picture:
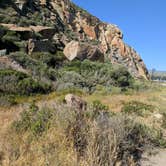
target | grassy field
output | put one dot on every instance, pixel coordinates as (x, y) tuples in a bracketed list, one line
[(52, 146)]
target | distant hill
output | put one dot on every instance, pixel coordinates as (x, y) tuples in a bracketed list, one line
[(157, 75)]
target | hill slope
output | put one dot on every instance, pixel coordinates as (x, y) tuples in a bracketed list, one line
[(60, 22)]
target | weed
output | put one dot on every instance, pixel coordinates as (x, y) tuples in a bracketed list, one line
[(34, 120)]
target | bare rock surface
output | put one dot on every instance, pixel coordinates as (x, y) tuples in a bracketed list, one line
[(82, 51), (75, 102)]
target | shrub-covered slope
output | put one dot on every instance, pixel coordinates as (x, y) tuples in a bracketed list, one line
[(69, 22)]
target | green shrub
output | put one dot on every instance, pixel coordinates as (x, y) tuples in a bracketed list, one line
[(11, 36), (37, 68), (26, 17), (121, 77), (29, 86), (7, 100), (71, 79), (3, 30), (51, 60), (4, 3), (138, 108), (70, 34), (140, 85), (14, 82), (98, 106), (33, 120), (87, 75), (97, 109)]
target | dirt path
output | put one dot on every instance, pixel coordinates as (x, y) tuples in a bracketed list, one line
[(158, 159)]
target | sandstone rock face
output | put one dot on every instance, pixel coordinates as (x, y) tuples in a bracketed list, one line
[(109, 36), (111, 42), (28, 32), (82, 51), (75, 102), (85, 28)]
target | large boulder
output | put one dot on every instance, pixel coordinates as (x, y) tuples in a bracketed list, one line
[(81, 51), (75, 102)]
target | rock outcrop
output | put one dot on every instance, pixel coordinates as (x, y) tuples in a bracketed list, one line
[(28, 32), (75, 102), (81, 51), (109, 36), (69, 22)]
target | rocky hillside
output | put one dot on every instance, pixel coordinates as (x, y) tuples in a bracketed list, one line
[(51, 25)]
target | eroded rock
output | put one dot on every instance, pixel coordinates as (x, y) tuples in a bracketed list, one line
[(82, 51)]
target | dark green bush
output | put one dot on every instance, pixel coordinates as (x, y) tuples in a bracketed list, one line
[(11, 36), (4, 3), (37, 68), (14, 82), (3, 30), (29, 86), (51, 60), (9, 13), (121, 77), (87, 75)]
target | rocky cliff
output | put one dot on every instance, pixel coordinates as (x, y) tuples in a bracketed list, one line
[(73, 24), (108, 36)]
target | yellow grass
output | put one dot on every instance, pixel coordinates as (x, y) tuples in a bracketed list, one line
[(37, 152)]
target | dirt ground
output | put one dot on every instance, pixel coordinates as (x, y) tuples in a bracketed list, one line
[(158, 159)]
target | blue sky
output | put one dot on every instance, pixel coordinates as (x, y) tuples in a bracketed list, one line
[(143, 23)]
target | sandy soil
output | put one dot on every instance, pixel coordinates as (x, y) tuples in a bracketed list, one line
[(158, 159)]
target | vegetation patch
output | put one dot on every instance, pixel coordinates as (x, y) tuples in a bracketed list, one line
[(14, 82), (34, 120), (138, 108), (52, 60), (87, 75), (96, 137), (7, 100), (37, 69)]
